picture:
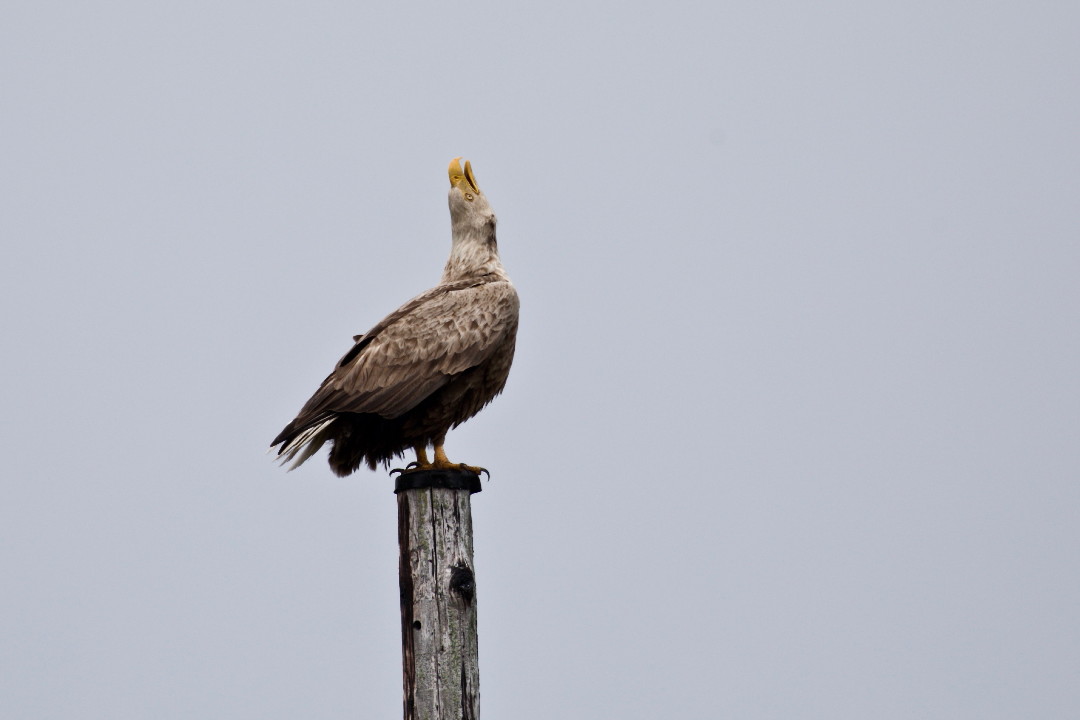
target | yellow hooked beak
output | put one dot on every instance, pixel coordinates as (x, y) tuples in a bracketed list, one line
[(463, 179)]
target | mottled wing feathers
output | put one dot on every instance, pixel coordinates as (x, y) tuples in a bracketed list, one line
[(417, 349)]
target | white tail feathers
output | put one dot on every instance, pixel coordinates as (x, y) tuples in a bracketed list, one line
[(313, 438)]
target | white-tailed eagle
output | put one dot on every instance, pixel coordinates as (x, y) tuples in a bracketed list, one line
[(427, 367)]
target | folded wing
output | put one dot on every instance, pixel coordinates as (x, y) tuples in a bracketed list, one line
[(415, 351)]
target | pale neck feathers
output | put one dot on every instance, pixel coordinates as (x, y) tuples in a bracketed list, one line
[(474, 252)]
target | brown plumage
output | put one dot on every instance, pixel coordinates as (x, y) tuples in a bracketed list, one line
[(427, 367)]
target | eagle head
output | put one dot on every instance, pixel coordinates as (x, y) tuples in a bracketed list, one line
[(469, 207)]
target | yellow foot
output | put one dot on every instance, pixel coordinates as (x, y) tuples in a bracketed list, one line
[(441, 462), (475, 470)]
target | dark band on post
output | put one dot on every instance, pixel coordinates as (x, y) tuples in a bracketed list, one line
[(448, 479)]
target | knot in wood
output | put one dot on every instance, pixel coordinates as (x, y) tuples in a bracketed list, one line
[(463, 582)]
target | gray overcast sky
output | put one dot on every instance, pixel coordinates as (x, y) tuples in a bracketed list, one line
[(793, 427)]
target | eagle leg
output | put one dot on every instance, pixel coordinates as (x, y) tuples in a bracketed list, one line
[(420, 463)]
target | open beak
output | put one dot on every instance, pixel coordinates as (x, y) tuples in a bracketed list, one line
[(464, 177)]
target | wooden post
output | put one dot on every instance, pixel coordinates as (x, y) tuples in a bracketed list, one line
[(440, 668)]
